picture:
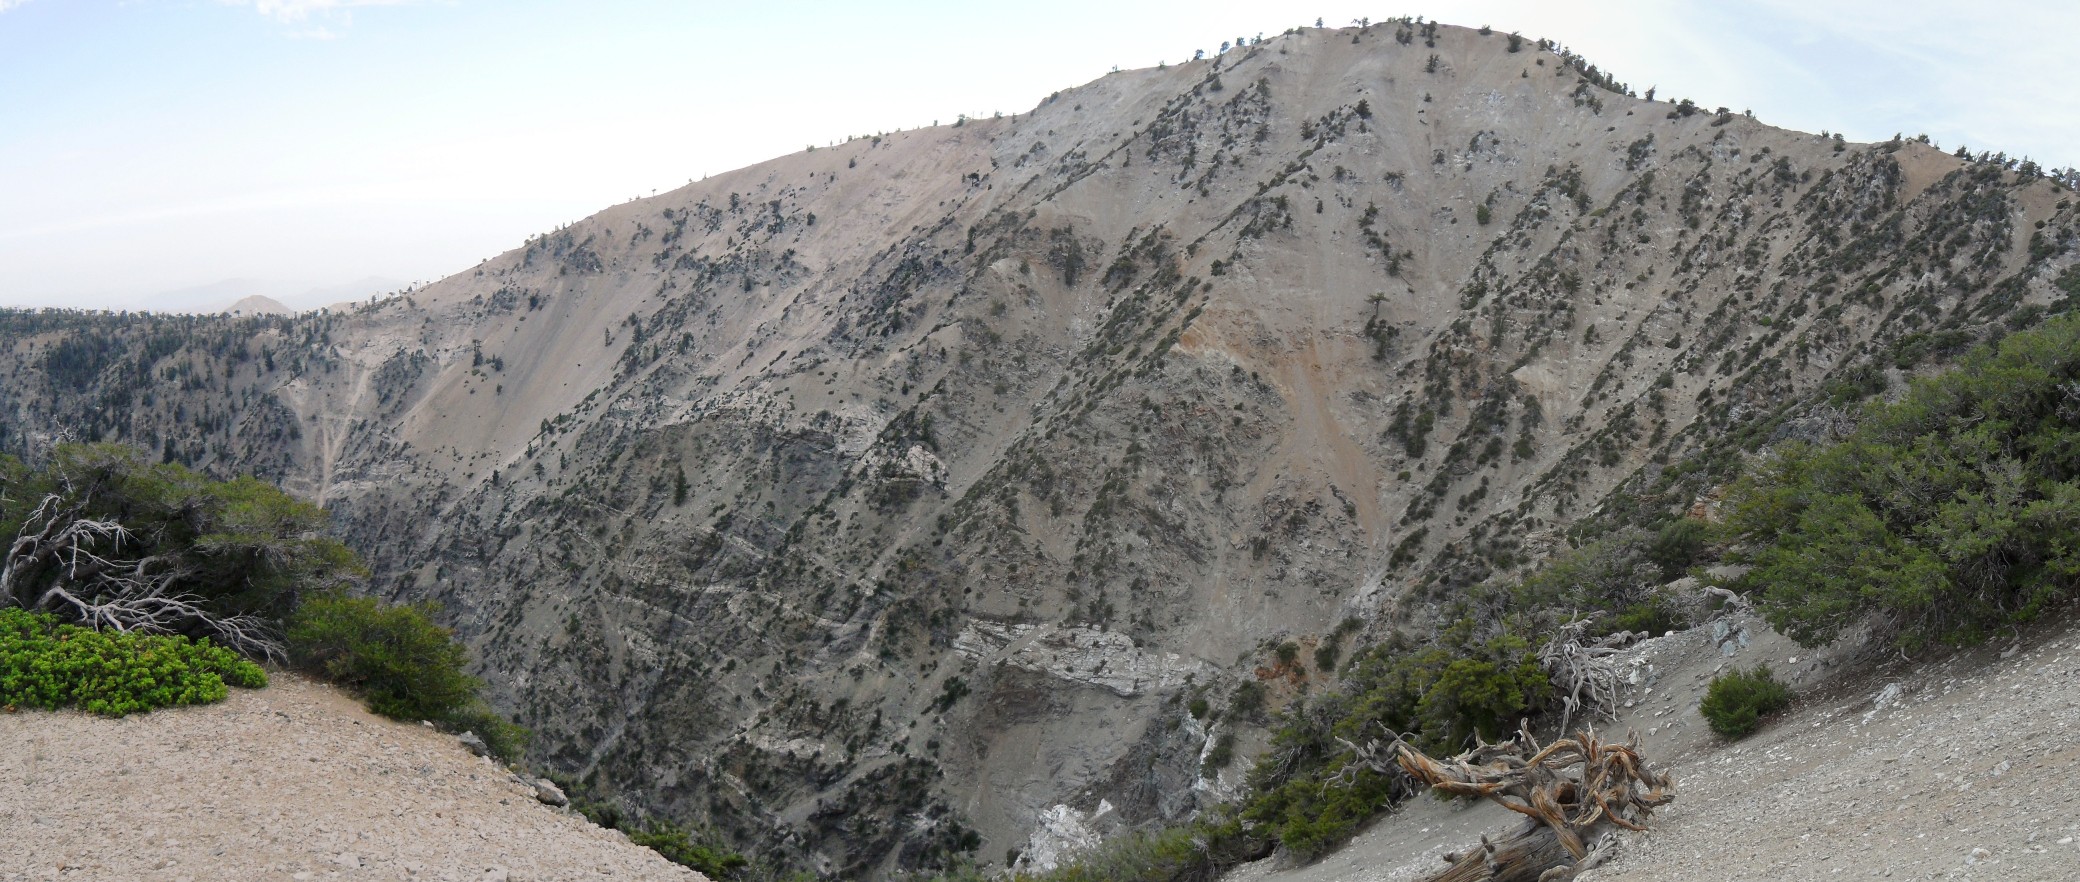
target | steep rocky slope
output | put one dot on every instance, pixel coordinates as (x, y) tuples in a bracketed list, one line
[(875, 501)]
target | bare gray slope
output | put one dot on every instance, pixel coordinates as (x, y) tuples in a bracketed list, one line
[(294, 781), (873, 501)]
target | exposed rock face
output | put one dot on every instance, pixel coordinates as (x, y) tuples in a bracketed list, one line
[(1106, 660), (872, 502)]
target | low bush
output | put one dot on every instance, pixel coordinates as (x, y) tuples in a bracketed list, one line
[(1199, 849), (1678, 545), (1656, 615), (505, 739), (403, 664), (1439, 697), (231, 558), (49, 665), (1736, 701), (680, 847)]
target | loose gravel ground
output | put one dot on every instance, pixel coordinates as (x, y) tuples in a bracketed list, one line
[(292, 782), (1960, 769), (1965, 772)]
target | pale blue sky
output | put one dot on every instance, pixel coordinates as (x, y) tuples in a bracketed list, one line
[(154, 145)]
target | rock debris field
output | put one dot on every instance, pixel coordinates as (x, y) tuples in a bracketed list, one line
[(292, 782)]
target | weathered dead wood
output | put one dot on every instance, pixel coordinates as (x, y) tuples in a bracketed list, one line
[(64, 562), (1574, 794), (1583, 670)]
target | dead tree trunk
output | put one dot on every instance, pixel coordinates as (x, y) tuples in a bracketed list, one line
[(1583, 669), (63, 562), (1574, 794)]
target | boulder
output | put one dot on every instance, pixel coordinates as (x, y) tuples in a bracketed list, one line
[(549, 793)]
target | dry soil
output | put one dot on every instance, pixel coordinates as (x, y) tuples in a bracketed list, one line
[(292, 782)]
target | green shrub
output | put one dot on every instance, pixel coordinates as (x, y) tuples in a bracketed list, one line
[(680, 847), (1611, 573), (1737, 701), (1656, 615), (1325, 657), (242, 549), (1679, 545), (45, 664), (1949, 514), (1221, 756), (1248, 701), (406, 666), (1199, 849), (503, 738)]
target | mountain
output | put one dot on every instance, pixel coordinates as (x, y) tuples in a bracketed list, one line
[(257, 304), (901, 499), (287, 296)]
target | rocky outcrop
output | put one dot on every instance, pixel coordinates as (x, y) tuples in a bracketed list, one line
[(1081, 656)]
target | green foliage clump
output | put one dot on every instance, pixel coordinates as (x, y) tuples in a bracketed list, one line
[(406, 666), (49, 665), (1655, 615), (1949, 514), (503, 738), (681, 847), (1678, 545), (1735, 703), (1612, 572), (1438, 697), (1200, 849), (241, 549), (1221, 756)]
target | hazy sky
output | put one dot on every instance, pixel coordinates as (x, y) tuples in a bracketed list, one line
[(148, 146)]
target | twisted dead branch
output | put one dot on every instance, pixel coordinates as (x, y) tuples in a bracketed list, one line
[(63, 562), (1583, 672), (1574, 794)]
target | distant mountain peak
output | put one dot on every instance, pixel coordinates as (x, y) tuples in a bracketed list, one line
[(258, 304)]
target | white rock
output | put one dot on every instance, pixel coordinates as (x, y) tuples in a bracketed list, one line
[(549, 793)]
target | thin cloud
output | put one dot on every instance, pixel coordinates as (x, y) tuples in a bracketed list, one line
[(6, 5), (296, 11)]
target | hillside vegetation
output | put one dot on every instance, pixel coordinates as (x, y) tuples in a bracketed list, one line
[(2004, 417), (131, 585)]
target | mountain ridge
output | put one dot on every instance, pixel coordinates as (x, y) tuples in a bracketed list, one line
[(735, 488)]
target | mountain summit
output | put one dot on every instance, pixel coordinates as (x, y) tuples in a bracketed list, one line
[(959, 489)]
